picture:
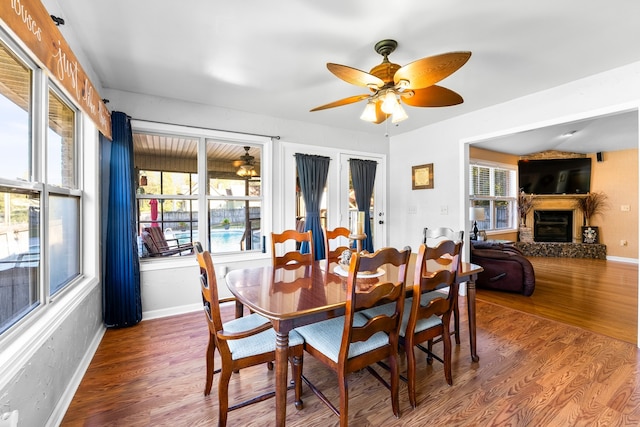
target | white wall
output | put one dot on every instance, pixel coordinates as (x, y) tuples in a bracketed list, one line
[(443, 144)]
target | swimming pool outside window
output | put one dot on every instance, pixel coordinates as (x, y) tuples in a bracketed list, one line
[(169, 194)]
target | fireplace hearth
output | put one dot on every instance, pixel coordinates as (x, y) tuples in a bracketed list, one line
[(553, 226)]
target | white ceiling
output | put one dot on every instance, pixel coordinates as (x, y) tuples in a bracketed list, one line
[(270, 57)]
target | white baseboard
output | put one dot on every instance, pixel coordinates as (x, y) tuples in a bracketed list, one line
[(171, 311), (621, 259), (65, 400)]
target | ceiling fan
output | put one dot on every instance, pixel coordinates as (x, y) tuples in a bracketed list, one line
[(246, 164), (389, 83)]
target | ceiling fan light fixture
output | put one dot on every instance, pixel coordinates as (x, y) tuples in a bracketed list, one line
[(369, 113), (399, 114), (247, 173), (389, 103), (247, 168)]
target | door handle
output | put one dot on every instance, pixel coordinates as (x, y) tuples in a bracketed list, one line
[(380, 222)]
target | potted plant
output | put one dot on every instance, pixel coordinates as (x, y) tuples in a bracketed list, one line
[(226, 223), (525, 204), (591, 205)]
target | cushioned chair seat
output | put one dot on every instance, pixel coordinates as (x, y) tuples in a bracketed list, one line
[(263, 342), (388, 309), (326, 337)]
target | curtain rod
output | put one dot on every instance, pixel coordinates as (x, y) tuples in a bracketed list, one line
[(204, 128)]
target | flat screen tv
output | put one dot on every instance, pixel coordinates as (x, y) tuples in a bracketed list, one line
[(555, 176)]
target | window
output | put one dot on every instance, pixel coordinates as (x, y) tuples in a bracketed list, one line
[(234, 197), (39, 189), (169, 191), (493, 188), (64, 196)]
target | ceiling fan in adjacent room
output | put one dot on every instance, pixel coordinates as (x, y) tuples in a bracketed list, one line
[(414, 84), (246, 165)]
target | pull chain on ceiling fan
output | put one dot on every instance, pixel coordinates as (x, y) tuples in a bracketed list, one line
[(389, 83)]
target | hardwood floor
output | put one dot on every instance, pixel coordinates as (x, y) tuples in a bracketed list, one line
[(595, 294), (532, 372)]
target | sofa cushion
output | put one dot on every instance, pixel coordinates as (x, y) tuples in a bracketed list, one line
[(505, 268)]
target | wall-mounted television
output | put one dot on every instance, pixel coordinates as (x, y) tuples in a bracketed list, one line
[(555, 176)]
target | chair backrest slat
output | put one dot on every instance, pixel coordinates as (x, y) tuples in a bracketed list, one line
[(332, 255), (209, 289), (446, 255), (441, 233), (360, 296), (280, 239)]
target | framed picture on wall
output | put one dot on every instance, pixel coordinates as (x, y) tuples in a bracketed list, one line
[(422, 177)]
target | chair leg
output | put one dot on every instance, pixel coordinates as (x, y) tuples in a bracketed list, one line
[(211, 349), (344, 400), (395, 379), (411, 374), (296, 367), (223, 397), (430, 352), (456, 322), (446, 340)]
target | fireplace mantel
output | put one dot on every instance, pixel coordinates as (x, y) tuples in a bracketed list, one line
[(563, 202)]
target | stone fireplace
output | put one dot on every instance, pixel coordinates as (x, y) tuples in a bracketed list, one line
[(560, 221), (553, 226)]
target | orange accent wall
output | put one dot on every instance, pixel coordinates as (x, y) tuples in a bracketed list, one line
[(617, 177)]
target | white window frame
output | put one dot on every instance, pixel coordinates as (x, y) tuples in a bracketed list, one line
[(204, 134), (37, 183), (489, 225)]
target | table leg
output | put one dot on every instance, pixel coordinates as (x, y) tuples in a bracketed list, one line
[(239, 309), (471, 311), (282, 351)]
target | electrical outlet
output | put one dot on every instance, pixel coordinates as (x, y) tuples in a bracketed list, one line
[(413, 210), (444, 210), (623, 243), (625, 208)]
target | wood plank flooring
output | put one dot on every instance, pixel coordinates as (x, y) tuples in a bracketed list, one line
[(595, 294), (532, 371)]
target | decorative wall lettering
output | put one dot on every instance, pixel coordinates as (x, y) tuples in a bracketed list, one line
[(31, 22)]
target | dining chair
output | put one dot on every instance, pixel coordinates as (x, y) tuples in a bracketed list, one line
[(427, 312), (352, 342), (339, 236), (280, 240), (430, 315), (242, 342), (432, 236)]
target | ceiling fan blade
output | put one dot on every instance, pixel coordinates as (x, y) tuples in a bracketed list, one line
[(433, 96), (345, 101), (355, 76), (428, 71)]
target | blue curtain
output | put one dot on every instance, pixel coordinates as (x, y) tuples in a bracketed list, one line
[(363, 176), (312, 173), (121, 302)]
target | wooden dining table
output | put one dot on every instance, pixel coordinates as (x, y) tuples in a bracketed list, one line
[(299, 294)]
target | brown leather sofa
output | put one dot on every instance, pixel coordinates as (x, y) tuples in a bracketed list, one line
[(505, 268)]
